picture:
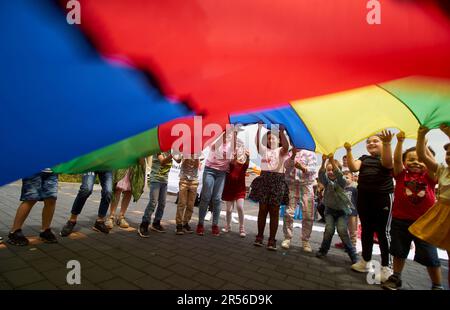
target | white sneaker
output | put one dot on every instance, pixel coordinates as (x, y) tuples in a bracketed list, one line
[(286, 243), (122, 223), (109, 223), (361, 266), (385, 273), (234, 220), (242, 233), (226, 229), (208, 216), (307, 247)]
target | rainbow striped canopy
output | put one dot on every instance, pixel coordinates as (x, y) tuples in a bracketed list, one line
[(315, 66), (322, 124)]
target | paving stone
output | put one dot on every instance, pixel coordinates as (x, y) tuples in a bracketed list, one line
[(156, 271), (22, 277), (96, 274), (128, 273), (149, 283), (117, 284), (135, 262), (12, 263), (47, 263), (180, 282), (231, 277), (43, 285), (209, 281)]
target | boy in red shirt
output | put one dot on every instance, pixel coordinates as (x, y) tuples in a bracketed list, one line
[(413, 196)]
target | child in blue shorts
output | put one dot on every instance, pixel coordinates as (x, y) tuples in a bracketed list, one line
[(42, 186)]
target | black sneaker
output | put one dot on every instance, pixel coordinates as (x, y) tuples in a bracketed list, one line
[(48, 236), (17, 238), (320, 254), (143, 229), (437, 287), (187, 229), (179, 230), (67, 229), (393, 283), (157, 227), (100, 227)]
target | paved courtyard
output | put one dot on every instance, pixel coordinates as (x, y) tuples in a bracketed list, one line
[(123, 260)]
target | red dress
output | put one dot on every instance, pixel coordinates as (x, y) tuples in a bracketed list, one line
[(234, 188)]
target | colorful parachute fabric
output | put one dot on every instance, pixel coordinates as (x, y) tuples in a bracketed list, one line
[(321, 124), (234, 56), (60, 99), (239, 62)]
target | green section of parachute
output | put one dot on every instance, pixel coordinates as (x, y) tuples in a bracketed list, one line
[(122, 154), (427, 98)]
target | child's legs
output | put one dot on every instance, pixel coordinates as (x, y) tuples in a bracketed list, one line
[(154, 194), (342, 229), (399, 264), (367, 225), (182, 201), (21, 214), (307, 196), (49, 192), (106, 179), (126, 198), (47, 213), (240, 211), (427, 255), (353, 229), (86, 187), (383, 204), (328, 234), (115, 202), (191, 196), (229, 205), (207, 191), (400, 243), (435, 275), (216, 198), (262, 216), (161, 203), (288, 219), (274, 212)]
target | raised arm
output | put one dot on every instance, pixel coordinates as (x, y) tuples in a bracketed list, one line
[(428, 160), (398, 162), (353, 165), (284, 141), (386, 153), (322, 173), (258, 138), (165, 160), (337, 172)]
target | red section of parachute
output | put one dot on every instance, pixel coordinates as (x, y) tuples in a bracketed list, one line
[(229, 56), (197, 130)]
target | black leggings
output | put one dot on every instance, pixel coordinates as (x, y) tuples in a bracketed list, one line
[(274, 213), (374, 210)]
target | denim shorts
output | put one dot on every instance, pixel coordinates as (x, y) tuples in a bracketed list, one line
[(401, 238), (40, 186)]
